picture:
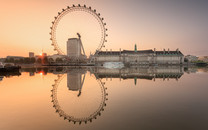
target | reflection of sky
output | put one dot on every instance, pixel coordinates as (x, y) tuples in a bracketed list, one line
[(149, 23)]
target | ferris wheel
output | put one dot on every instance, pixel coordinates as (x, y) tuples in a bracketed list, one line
[(78, 111), (78, 8)]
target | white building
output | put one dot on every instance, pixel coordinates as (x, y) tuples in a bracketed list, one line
[(204, 58), (191, 58), (142, 57)]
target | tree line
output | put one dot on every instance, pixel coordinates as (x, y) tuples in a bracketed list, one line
[(27, 60), (33, 60)]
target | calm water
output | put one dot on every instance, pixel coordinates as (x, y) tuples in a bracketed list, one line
[(144, 98)]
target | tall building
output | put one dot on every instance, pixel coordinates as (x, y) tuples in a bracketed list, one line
[(74, 47), (31, 54)]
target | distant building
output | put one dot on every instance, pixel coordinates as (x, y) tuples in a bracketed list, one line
[(55, 56), (31, 54), (2, 59), (15, 57), (204, 58), (142, 57), (191, 58)]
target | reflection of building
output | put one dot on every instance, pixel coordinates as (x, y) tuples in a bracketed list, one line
[(74, 81), (142, 57), (32, 73), (150, 73), (1, 78)]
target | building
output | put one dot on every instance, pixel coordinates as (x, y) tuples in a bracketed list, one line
[(15, 57), (31, 54), (191, 58), (75, 50), (74, 47), (55, 56), (140, 57), (204, 58)]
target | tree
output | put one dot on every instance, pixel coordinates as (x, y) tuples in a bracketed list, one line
[(59, 60), (21, 60), (6, 60), (50, 60), (39, 60), (185, 60), (32, 60), (27, 60), (45, 60)]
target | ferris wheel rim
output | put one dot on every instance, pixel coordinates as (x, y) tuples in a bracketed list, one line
[(72, 118), (85, 9)]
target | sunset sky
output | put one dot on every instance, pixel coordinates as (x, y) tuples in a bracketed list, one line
[(183, 24)]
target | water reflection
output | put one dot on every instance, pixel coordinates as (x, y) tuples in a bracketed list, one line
[(82, 106), (149, 73), (1, 78), (75, 81), (8, 75), (79, 94)]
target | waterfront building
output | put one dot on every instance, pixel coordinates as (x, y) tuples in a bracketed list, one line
[(204, 58), (140, 57), (55, 56), (191, 58)]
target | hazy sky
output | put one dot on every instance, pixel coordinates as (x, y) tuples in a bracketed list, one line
[(25, 24)]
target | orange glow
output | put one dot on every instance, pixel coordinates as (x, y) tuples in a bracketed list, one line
[(41, 54), (41, 73)]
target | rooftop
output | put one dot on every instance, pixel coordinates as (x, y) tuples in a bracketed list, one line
[(139, 52)]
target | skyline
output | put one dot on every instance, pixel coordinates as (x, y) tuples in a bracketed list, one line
[(25, 25)]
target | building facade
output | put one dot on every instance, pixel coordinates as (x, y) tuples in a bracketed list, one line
[(74, 47), (191, 58), (142, 57)]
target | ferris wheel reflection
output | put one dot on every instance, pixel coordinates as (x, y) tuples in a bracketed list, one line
[(75, 98)]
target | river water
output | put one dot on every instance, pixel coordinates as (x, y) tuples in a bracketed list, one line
[(88, 98)]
